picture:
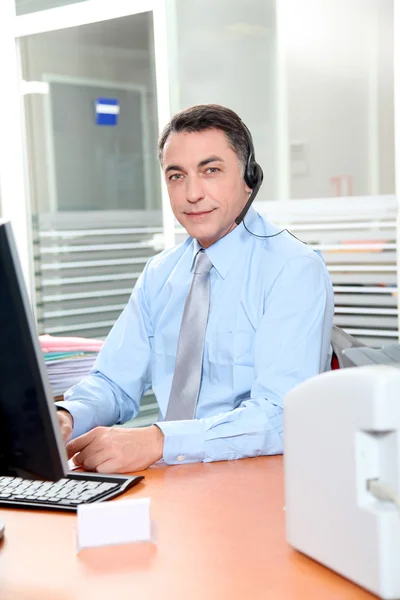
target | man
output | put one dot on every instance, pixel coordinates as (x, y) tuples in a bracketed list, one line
[(221, 326)]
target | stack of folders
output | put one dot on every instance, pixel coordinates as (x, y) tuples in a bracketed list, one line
[(68, 360)]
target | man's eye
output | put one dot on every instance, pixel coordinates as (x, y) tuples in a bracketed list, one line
[(175, 177), (212, 170)]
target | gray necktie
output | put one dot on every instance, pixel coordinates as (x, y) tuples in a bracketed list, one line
[(189, 357)]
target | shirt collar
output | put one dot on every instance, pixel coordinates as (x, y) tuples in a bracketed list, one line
[(223, 253)]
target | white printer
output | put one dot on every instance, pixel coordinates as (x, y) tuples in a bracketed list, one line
[(342, 473)]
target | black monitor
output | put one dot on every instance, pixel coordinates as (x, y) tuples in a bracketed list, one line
[(31, 445)]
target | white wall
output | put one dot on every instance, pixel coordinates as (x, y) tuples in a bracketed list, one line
[(386, 97), (340, 93), (224, 53)]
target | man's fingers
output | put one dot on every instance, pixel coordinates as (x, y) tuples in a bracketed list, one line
[(76, 461), (81, 442), (91, 462), (109, 466), (94, 448)]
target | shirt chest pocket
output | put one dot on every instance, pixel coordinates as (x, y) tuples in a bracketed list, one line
[(227, 348)]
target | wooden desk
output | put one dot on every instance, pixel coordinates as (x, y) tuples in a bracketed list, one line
[(221, 536)]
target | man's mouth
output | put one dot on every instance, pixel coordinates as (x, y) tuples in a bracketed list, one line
[(197, 214)]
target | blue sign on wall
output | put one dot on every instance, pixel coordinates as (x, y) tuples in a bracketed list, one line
[(107, 111)]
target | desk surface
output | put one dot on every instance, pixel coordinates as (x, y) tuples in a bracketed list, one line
[(221, 535)]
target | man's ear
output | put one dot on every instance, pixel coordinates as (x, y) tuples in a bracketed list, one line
[(248, 190)]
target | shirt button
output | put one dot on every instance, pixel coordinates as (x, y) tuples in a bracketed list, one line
[(180, 458)]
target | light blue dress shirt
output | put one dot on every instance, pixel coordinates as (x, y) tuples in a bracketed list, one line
[(269, 328)]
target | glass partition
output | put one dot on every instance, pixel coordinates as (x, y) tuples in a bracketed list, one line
[(313, 80), (91, 117)]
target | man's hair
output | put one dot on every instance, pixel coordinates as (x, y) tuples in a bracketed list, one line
[(210, 116)]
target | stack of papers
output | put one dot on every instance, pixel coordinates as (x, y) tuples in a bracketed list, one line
[(49, 343), (68, 360)]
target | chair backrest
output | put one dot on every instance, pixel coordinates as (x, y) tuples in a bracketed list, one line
[(334, 362), (341, 341)]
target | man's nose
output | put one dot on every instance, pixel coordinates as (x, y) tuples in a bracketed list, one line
[(194, 189)]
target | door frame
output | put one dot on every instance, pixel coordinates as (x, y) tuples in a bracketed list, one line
[(14, 192), (397, 137)]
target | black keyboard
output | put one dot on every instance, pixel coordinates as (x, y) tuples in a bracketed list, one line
[(65, 494)]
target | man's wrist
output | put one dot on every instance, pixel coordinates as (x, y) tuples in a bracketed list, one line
[(159, 441), (66, 411)]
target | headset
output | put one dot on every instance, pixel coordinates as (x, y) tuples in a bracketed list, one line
[(253, 176)]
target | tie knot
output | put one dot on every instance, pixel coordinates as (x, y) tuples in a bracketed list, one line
[(203, 264)]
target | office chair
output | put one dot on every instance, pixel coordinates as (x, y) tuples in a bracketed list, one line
[(342, 341)]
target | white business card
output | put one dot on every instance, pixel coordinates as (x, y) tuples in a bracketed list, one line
[(110, 523)]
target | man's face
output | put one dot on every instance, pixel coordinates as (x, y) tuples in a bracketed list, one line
[(205, 183)]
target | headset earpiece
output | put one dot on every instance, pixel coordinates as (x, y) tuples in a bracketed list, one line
[(253, 172), (253, 176)]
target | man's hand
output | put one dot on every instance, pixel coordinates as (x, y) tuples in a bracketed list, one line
[(114, 450), (66, 424)]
